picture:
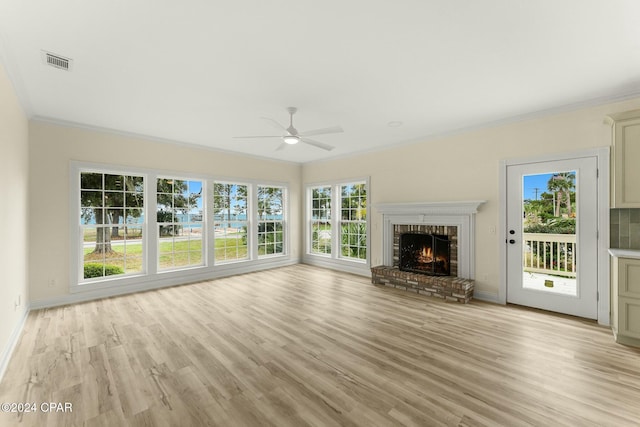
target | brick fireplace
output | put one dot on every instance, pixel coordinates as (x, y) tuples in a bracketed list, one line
[(456, 220)]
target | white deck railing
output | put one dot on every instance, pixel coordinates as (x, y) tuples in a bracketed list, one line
[(550, 253)]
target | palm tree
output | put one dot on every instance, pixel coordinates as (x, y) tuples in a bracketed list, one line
[(562, 185)]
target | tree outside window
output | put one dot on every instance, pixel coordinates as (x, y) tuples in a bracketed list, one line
[(345, 235), (230, 221), (321, 220), (180, 223), (112, 220), (353, 221), (270, 220), (112, 223)]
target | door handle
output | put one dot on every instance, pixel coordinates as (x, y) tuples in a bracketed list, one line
[(512, 241)]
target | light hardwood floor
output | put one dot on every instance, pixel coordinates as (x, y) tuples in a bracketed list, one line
[(301, 346)]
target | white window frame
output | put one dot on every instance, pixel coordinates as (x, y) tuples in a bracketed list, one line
[(312, 221), (335, 260), (284, 221), (109, 226), (151, 277), (203, 223), (339, 221), (77, 253), (249, 221)]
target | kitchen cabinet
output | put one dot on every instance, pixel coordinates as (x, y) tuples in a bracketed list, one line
[(625, 183), (625, 315)]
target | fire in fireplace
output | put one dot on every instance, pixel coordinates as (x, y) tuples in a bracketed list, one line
[(425, 253)]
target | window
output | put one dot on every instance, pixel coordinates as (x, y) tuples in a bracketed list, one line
[(337, 215), (230, 221), (353, 221), (179, 219), (133, 228), (270, 220), (112, 223), (321, 220)]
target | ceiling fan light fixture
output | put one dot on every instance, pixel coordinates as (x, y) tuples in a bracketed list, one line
[(291, 139)]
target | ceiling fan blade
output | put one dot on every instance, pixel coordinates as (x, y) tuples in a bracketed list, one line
[(317, 144), (258, 136), (274, 123), (282, 146), (323, 131)]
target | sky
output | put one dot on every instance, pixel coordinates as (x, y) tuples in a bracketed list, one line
[(531, 182)]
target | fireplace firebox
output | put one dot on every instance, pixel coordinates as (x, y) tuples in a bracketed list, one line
[(425, 253)]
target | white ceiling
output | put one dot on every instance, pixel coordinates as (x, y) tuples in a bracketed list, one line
[(202, 71)]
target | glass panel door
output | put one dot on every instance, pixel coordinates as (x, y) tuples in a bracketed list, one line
[(552, 236), (549, 218)]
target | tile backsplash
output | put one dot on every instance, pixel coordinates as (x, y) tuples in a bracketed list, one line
[(625, 228)]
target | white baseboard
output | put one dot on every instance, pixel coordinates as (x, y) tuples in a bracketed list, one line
[(360, 269), (222, 271), (13, 341), (486, 296)]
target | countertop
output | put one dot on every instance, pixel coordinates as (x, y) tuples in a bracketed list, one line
[(625, 253)]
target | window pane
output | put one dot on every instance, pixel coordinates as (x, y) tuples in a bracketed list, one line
[(231, 222), (105, 242), (195, 243), (165, 261), (164, 216), (195, 257), (89, 234), (321, 220), (134, 235), (165, 245), (164, 185), (90, 216), (115, 216), (133, 200), (179, 216), (113, 199), (133, 264), (180, 186), (353, 239), (321, 237), (195, 187), (271, 218), (134, 184), (91, 198), (114, 182), (134, 216), (89, 180), (181, 259), (350, 228), (179, 201)]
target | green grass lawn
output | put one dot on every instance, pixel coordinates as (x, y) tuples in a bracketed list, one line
[(181, 253)]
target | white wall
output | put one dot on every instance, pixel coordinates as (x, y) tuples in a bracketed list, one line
[(466, 167), (54, 146), (14, 180)]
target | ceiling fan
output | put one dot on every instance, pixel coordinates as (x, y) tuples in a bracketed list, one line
[(292, 136)]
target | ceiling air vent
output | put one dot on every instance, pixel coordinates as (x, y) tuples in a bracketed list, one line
[(56, 61)]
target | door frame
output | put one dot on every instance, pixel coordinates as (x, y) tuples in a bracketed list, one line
[(602, 155)]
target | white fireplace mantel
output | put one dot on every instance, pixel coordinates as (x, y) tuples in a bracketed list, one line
[(457, 214)]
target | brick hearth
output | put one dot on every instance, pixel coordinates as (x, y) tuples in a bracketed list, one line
[(454, 219), (447, 287)]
